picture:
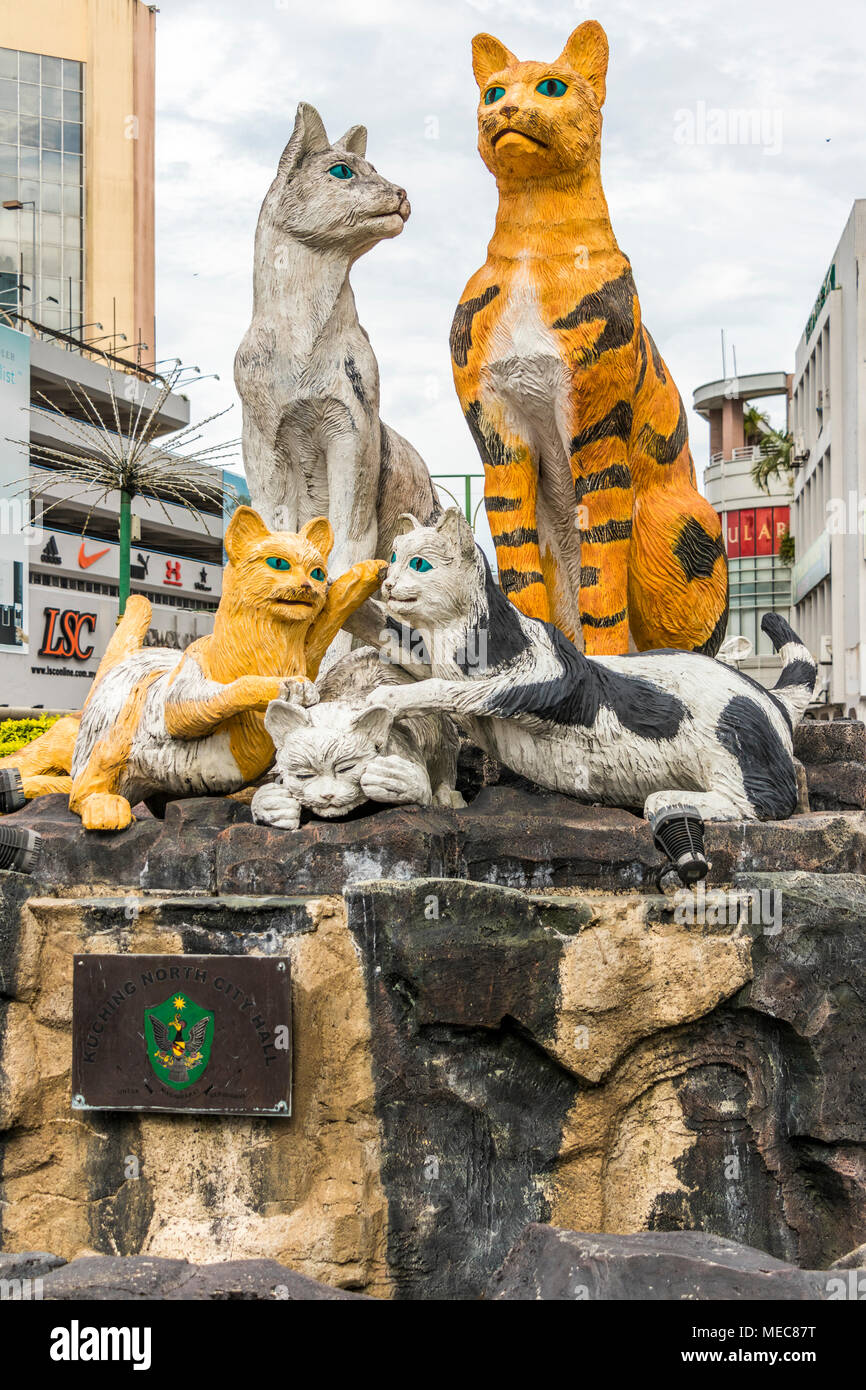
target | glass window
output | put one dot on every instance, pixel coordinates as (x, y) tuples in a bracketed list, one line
[(28, 70), (41, 141), (72, 231), (29, 98), (52, 71), (51, 135), (50, 228), (52, 102), (29, 131)]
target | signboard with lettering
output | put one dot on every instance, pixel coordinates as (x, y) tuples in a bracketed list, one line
[(190, 1034), (755, 531), (99, 559)]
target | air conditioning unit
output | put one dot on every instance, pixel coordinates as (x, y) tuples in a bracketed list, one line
[(825, 651)]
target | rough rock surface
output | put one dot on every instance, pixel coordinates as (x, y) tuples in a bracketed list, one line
[(558, 1265), (120, 1279), (833, 753), (500, 1022), (508, 836)]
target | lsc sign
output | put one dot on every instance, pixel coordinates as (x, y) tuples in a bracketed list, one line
[(65, 633)]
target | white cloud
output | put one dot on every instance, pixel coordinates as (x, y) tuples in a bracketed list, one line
[(720, 235)]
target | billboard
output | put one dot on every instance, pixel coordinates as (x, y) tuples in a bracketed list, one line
[(755, 531), (14, 506)]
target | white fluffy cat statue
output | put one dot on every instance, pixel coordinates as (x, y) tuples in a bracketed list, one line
[(674, 734), (341, 752)]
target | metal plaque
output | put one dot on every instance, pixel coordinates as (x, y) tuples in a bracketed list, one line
[(192, 1034)]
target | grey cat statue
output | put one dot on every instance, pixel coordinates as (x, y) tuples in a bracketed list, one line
[(677, 735), (343, 752), (313, 443)]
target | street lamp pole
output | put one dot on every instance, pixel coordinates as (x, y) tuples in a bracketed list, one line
[(16, 205)]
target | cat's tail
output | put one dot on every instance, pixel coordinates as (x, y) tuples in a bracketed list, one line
[(128, 638), (796, 684)]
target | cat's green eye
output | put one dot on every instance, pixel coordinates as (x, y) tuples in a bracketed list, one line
[(277, 562), (552, 87), (317, 574), (420, 564), (341, 171), (394, 558), (493, 94)]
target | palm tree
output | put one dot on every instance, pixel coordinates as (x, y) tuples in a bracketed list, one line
[(131, 460), (755, 424), (776, 456)]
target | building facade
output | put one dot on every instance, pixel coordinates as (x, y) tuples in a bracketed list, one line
[(76, 316), (76, 152), (828, 422), (755, 522)]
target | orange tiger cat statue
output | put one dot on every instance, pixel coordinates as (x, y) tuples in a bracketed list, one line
[(589, 480)]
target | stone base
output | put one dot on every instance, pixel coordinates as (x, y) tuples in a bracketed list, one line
[(569, 1266), (498, 1022)]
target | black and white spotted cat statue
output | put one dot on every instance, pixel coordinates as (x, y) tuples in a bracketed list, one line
[(675, 734)]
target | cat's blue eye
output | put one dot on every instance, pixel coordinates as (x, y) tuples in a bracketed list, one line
[(341, 171), (493, 94), (552, 87), (420, 564), (317, 574), (277, 562), (394, 558)]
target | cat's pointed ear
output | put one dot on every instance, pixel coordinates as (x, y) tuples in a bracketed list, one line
[(489, 56), (406, 523), (457, 531), (355, 140), (586, 53), (243, 531), (308, 137), (376, 723), (320, 533), (283, 718)]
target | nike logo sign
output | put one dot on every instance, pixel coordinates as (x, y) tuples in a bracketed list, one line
[(85, 561)]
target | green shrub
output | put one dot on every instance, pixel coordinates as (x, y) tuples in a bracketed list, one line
[(14, 733)]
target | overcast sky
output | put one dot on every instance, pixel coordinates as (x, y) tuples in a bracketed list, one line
[(735, 236)]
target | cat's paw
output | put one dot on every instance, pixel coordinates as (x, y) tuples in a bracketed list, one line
[(273, 805), (105, 811), (297, 690), (448, 796), (395, 779), (395, 698)]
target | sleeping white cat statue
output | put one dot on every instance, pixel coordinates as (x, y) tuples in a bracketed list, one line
[(675, 734), (341, 752)]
